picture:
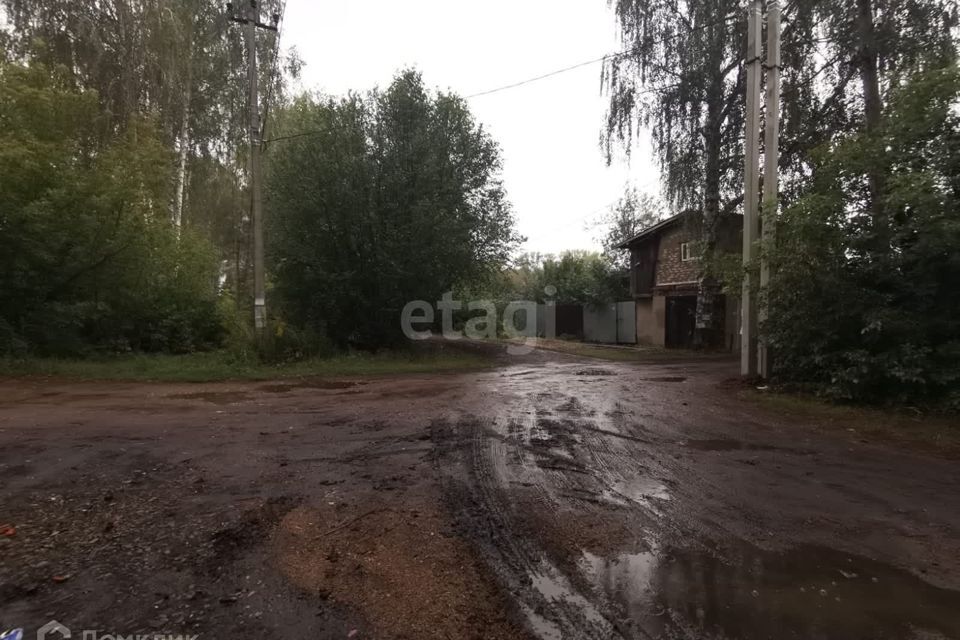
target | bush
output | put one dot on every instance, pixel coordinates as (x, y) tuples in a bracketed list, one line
[(864, 302), (91, 261)]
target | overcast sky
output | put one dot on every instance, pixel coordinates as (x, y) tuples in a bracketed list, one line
[(548, 130)]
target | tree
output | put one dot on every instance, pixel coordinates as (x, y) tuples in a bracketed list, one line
[(396, 196), (684, 77), (90, 259), (179, 62), (864, 51), (633, 213), (851, 320), (573, 277)]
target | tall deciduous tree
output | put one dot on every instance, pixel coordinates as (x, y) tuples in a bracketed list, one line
[(683, 76), (841, 62), (395, 197), (847, 318), (182, 62), (90, 259)]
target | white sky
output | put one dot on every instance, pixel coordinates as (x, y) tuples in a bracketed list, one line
[(549, 130)]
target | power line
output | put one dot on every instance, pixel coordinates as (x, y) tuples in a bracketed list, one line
[(551, 74), (316, 132), (610, 56), (540, 77)]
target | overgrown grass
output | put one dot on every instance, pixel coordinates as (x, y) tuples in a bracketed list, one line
[(222, 365)]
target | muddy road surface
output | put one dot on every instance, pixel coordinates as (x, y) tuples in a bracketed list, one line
[(548, 497)]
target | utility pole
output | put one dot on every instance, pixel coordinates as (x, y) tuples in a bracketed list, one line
[(751, 218), (771, 160), (249, 16)]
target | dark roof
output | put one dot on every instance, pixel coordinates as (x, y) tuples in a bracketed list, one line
[(649, 231)]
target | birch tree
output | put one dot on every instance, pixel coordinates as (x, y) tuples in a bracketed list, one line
[(683, 77)]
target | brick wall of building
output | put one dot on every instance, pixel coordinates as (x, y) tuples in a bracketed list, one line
[(670, 267)]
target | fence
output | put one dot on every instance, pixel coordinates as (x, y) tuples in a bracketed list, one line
[(614, 323)]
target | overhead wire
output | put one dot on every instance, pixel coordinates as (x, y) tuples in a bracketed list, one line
[(556, 72), (609, 56)]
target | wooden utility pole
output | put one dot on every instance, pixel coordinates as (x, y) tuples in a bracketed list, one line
[(250, 18), (751, 218), (771, 160)]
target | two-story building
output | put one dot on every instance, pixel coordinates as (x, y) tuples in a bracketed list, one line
[(664, 273)]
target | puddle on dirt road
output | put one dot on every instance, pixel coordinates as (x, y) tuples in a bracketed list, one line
[(641, 490), (595, 372), (806, 592), (559, 596)]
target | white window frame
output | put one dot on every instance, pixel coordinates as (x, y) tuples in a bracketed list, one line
[(686, 252)]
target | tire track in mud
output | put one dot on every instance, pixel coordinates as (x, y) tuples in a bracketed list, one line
[(599, 512), (549, 605), (542, 453)]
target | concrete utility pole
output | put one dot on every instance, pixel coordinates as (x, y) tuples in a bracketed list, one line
[(751, 219), (250, 18), (771, 160)]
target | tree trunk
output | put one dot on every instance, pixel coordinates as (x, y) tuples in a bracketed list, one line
[(868, 63), (183, 144), (706, 328)]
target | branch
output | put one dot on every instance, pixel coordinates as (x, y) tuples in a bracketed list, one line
[(85, 269), (731, 205)]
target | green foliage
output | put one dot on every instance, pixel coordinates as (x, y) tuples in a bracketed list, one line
[(866, 306), (183, 63), (684, 81), (577, 277), (633, 213), (90, 258), (396, 197)]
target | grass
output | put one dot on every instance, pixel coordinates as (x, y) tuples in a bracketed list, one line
[(931, 432), (220, 365)]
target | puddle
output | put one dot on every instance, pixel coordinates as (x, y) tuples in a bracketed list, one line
[(595, 372), (544, 629), (642, 489), (518, 374), (806, 592), (666, 379), (551, 433), (559, 594), (214, 397)]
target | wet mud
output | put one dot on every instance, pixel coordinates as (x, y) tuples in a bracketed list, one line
[(618, 511), (549, 497)]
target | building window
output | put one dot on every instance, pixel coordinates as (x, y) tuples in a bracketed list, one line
[(687, 251)]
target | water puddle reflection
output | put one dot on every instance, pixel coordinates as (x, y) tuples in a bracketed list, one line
[(807, 592)]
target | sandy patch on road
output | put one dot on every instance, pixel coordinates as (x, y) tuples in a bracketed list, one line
[(402, 567)]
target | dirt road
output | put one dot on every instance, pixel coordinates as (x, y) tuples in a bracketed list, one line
[(550, 497)]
